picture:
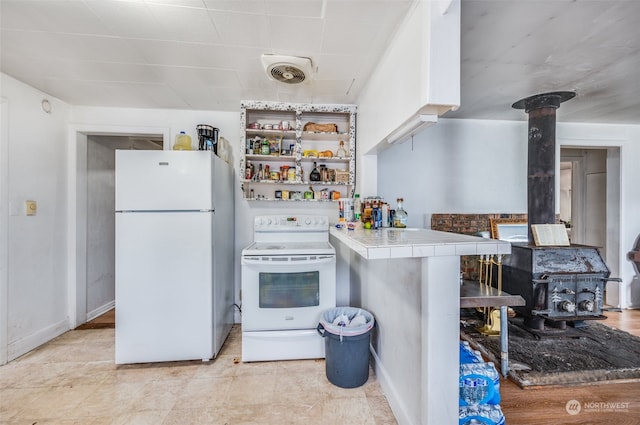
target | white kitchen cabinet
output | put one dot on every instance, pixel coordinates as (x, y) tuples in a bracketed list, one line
[(294, 146)]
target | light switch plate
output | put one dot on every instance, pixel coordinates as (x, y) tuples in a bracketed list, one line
[(31, 207)]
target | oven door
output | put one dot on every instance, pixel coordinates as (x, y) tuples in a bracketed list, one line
[(286, 292)]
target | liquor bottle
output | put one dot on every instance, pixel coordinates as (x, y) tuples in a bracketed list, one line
[(400, 219), (314, 175), (260, 173)]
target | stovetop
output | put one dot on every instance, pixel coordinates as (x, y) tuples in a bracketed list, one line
[(290, 235), (289, 248)]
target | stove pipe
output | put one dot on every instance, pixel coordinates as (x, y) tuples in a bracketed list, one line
[(541, 207)]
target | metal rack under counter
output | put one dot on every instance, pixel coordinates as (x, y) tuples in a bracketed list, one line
[(474, 294)]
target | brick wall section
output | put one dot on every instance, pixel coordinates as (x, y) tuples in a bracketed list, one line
[(469, 224)]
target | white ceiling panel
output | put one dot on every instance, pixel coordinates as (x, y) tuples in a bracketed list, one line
[(111, 71), (51, 16), (299, 35), (362, 37), (255, 80), (296, 8), (335, 67), (127, 19), (180, 54), (207, 77), (185, 3), (256, 7), (184, 24), (241, 29), (380, 11)]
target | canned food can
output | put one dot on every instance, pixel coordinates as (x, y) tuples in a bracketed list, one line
[(284, 194)]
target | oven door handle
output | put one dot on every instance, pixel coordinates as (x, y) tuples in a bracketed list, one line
[(287, 261)]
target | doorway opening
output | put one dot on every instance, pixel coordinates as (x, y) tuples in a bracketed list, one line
[(94, 205), (100, 215), (590, 204)]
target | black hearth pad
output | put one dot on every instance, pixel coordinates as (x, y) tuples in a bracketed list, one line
[(575, 356)]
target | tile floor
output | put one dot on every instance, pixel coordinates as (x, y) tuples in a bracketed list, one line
[(73, 380)]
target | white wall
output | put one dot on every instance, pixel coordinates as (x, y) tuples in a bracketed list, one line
[(34, 165), (474, 166)]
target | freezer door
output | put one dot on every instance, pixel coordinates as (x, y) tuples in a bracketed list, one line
[(163, 180), (163, 287)]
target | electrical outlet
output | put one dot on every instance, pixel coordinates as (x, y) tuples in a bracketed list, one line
[(31, 207)]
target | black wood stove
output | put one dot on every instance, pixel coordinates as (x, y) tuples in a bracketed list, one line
[(560, 284)]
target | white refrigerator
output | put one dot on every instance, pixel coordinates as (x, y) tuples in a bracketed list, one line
[(174, 255)]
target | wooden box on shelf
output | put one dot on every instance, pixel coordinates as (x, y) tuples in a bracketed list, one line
[(342, 176)]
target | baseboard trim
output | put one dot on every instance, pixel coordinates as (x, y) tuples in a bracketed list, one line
[(36, 339), (395, 401), (100, 310)]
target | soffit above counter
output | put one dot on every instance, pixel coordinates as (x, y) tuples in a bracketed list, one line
[(417, 80)]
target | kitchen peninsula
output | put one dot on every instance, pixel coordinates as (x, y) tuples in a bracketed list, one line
[(409, 279)]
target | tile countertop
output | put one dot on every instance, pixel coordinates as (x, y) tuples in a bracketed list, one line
[(414, 242)]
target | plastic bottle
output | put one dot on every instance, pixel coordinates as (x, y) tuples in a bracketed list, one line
[(385, 215), (479, 384), (481, 414), (183, 142), (357, 207)]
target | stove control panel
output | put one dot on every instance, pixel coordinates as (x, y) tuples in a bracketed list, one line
[(285, 223)]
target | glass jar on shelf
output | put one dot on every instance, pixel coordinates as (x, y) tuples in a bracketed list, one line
[(400, 218), (265, 149)]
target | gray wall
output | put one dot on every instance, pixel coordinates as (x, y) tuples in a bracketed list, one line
[(100, 227)]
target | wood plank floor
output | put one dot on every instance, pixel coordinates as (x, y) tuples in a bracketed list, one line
[(609, 403)]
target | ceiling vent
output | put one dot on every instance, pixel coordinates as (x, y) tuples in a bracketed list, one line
[(287, 69)]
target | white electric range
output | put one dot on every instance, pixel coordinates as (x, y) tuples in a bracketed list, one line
[(288, 280)]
